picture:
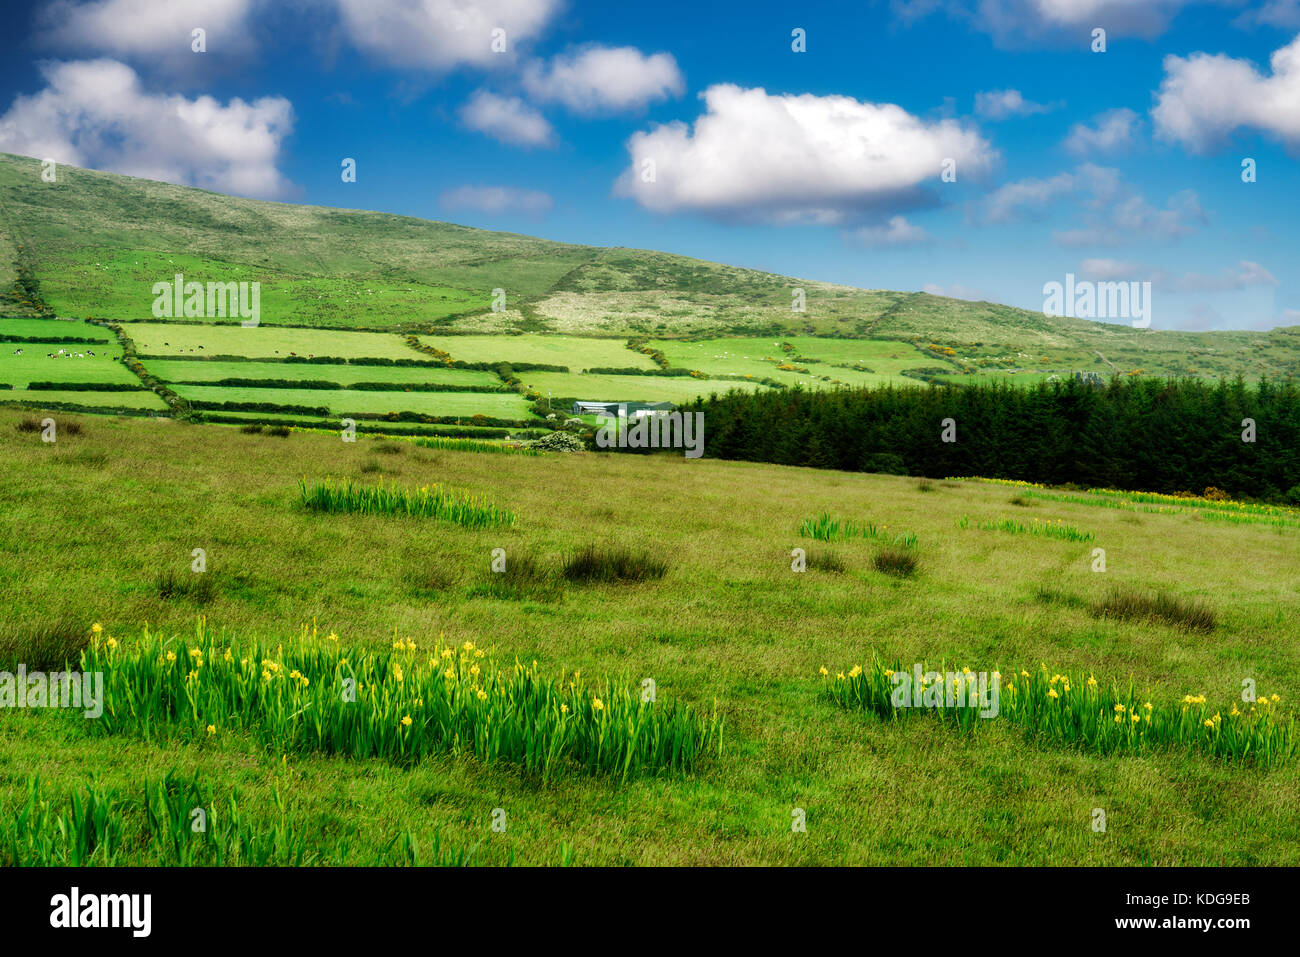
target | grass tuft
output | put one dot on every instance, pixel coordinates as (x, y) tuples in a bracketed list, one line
[(1131, 604), (899, 562), (594, 564)]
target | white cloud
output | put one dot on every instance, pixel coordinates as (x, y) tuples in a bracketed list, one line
[(1108, 211), (442, 34), (1113, 131), (605, 78), (1023, 22), (94, 113), (1274, 13), (897, 232), (1025, 199), (1242, 276), (145, 28), (1003, 104), (497, 199), (506, 118), (1108, 270), (957, 291), (1204, 98), (797, 159)]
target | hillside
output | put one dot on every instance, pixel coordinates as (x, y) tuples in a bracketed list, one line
[(394, 319)]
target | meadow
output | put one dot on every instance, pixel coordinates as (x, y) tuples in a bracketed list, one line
[(882, 362), (261, 342), (710, 611), (576, 353), (212, 371), (631, 388), (339, 401), (119, 282)]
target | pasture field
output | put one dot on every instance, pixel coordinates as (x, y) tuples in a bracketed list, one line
[(142, 399), (729, 629), (761, 358), (53, 329), (261, 342), (118, 284), (96, 362), (631, 388), (495, 404), (210, 371), (575, 352)]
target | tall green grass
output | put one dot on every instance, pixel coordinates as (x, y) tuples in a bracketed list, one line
[(101, 826), (474, 445), (1057, 529), (402, 706), (825, 528), (1079, 711), (429, 501)]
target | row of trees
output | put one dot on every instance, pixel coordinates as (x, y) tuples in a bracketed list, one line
[(1160, 435)]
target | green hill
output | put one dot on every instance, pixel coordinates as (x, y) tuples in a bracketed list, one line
[(93, 244)]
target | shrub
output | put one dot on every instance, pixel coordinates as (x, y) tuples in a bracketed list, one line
[(558, 442), (594, 564), (279, 431), (251, 429), (29, 423), (885, 463)]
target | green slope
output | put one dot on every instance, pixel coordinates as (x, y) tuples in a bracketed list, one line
[(93, 244)]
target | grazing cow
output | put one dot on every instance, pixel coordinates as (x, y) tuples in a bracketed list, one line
[(49, 355), (91, 354), (18, 352)]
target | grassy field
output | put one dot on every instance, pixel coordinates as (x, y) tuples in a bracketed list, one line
[(882, 362), (577, 353), (86, 398), (36, 365), (495, 405), (631, 388), (729, 628), (119, 283), (209, 371), (168, 339)]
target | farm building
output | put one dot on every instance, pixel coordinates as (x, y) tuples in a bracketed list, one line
[(621, 410)]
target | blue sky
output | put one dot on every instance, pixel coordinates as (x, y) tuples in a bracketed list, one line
[(823, 164)]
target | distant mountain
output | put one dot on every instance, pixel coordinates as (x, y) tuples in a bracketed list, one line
[(92, 244)]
